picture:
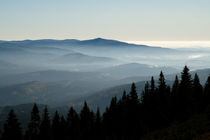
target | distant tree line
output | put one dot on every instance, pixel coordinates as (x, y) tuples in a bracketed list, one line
[(129, 117)]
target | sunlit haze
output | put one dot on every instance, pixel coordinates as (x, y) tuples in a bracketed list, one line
[(175, 44)]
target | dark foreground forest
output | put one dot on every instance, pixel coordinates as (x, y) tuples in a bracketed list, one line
[(162, 112)]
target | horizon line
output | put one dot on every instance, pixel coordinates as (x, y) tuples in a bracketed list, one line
[(156, 43)]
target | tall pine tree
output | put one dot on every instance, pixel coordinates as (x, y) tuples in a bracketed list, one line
[(175, 87), (86, 121), (73, 124), (197, 95), (12, 129), (56, 133), (32, 133), (162, 84), (185, 94), (133, 95), (45, 126), (152, 85)]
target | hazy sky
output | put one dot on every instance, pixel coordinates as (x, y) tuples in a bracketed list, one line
[(129, 20)]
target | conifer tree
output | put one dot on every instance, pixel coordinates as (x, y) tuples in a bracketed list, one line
[(45, 126), (197, 89), (132, 113), (63, 128), (113, 103), (12, 129), (146, 88), (163, 94), (124, 97), (86, 121), (175, 87), (162, 99), (174, 98), (98, 123), (145, 94), (162, 84), (133, 95), (98, 117), (32, 132), (72, 116), (185, 94), (72, 124), (152, 85), (56, 126), (186, 81)]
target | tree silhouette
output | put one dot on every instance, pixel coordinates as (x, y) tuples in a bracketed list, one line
[(185, 94), (175, 99), (98, 125), (175, 87), (197, 95), (12, 129), (86, 121), (145, 97), (162, 83), (133, 95), (124, 97), (63, 128), (152, 85), (73, 124), (32, 133), (56, 126), (186, 81), (45, 126)]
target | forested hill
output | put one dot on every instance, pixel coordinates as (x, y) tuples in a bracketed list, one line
[(180, 111)]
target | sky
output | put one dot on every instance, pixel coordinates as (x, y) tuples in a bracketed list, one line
[(125, 20)]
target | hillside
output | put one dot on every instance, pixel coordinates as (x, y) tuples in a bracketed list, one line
[(196, 128)]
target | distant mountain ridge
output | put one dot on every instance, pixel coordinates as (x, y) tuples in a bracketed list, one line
[(90, 42)]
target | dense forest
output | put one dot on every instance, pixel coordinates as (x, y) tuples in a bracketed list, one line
[(130, 117)]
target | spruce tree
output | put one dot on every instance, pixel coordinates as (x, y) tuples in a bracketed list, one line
[(72, 124), (12, 129), (98, 123), (124, 97), (197, 87), (145, 94), (162, 90), (175, 87), (32, 133), (197, 92), (132, 113), (152, 85), (72, 116), (162, 98), (146, 88), (185, 94), (56, 126), (186, 81), (162, 84), (63, 129), (113, 103), (45, 126), (133, 95), (175, 99), (98, 117), (86, 121)]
